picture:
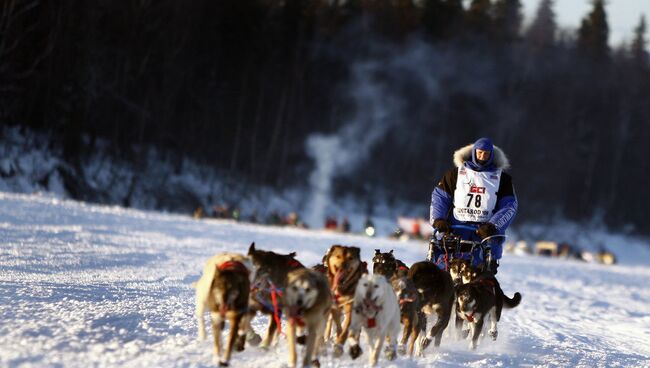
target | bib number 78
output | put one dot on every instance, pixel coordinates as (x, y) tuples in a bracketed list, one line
[(474, 197)]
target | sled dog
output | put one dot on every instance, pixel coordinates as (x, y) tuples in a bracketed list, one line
[(270, 280), (411, 316), (223, 290), (478, 299), (344, 268), (436, 291), (307, 303), (413, 320), (387, 265), (457, 268), (376, 311)]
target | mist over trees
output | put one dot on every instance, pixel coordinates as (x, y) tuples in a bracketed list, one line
[(241, 84)]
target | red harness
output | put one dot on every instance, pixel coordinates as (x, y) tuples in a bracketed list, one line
[(235, 266), (489, 284), (292, 263)]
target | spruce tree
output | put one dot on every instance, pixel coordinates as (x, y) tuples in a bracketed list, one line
[(507, 19), (478, 17), (542, 31), (594, 33), (638, 48)]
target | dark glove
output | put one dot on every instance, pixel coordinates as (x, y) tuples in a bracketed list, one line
[(442, 225), (485, 230)]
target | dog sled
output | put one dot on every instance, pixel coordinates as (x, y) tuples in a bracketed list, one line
[(445, 247)]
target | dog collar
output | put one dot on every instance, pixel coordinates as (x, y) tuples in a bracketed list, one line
[(298, 321), (371, 323)]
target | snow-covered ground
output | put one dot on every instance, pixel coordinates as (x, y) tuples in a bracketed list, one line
[(84, 285)]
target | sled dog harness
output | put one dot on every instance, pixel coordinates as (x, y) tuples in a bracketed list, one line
[(475, 196), (234, 266)]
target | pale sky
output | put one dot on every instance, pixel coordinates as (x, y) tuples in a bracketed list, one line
[(622, 15)]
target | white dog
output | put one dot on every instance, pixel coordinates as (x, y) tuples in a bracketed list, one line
[(376, 310)]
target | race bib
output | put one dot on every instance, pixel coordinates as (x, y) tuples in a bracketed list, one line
[(476, 194)]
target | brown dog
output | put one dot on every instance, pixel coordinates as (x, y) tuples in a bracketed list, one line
[(223, 290), (344, 268), (307, 301), (272, 270)]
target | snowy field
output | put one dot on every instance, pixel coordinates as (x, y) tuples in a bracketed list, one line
[(84, 285)]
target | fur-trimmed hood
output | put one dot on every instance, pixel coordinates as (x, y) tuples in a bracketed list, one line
[(465, 154)]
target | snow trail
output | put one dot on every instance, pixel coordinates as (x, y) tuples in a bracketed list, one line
[(85, 285)]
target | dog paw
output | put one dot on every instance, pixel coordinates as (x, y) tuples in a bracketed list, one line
[(337, 350), (391, 354), (253, 339), (493, 334), (355, 351), (240, 343), (315, 363), (401, 349), (424, 343), (301, 339), (223, 364), (472, 345)]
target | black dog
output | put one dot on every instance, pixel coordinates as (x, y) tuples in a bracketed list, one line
[(387, 265), (436, 291), (479, 298)]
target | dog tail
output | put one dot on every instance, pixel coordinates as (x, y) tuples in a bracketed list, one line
[(511, 303)]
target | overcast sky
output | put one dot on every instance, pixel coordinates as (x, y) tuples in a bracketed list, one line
[(622, 15)]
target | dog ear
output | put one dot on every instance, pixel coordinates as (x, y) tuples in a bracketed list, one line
[(251, 249), (292, 255), (391, 251), (327, 254), (356, 251), (377, 251)]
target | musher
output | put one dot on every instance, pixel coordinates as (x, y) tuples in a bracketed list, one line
[(475, 200)]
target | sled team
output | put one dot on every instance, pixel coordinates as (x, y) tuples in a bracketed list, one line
[(333, 302)]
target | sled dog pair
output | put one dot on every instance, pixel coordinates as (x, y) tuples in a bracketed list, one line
[(411, 317), (223, 290)]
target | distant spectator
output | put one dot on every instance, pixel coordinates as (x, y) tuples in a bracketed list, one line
[(274, 219), (253, 217), (345, 225), (221, 211), (292, 219), (198, 213), (236, 214), (330, 223)]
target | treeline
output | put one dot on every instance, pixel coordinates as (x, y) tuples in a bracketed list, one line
[(241, 84)]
